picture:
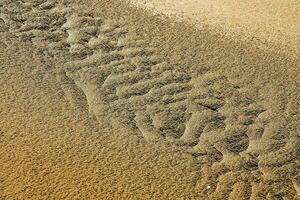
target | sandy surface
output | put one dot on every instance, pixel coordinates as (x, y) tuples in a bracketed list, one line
[(267, 21), (101, 100)]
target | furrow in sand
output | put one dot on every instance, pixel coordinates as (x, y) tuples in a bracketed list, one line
[(210, 114)]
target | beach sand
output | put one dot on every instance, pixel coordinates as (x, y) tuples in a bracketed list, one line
[(105, 99)]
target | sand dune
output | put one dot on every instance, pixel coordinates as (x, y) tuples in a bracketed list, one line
[(223, 105)]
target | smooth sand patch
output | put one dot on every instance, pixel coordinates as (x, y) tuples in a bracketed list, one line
[(267, 21)]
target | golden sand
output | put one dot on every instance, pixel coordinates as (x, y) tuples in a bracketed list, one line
[(268, 21), (103, 100)]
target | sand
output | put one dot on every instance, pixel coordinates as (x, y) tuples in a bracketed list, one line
[(101, 99), (259, 22)]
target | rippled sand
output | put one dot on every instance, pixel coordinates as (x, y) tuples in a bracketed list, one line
[(105, 100)]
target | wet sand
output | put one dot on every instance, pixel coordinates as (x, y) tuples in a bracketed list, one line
[(103, 100)]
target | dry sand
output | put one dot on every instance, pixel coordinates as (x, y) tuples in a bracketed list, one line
[(267, 21), (102, 100)]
